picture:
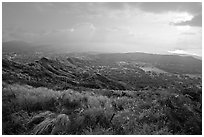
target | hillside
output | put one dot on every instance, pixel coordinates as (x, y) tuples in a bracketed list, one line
[(54, 74), (170, 63), (102, 94), (72, 72)]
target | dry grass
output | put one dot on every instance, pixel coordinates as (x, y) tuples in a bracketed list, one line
[(29, 110)]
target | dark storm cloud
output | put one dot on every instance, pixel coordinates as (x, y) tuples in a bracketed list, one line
[(196, 21)]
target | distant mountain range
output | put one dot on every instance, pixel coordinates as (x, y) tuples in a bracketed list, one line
[(25, 47), (178, 64), (17, 47)]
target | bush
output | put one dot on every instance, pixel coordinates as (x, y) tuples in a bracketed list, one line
[(96, 116), (16, 123), (50, 123), (62, 124), (28, 110)]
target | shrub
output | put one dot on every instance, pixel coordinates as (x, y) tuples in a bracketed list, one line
[(28, 110), (32, 99), (95, 116), (50, 123), (62, 124), (39, 118), (45, 127), (98, 131), (16, 123)]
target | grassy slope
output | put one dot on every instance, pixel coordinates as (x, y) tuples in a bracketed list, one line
[(28, 110)]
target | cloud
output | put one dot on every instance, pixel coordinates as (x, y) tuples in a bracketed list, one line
[(154, 7), (79, 32), (178, 51), (188, 33), (133, 26), (196, 21), (18, 33), (115, 5), (86, 25), (75, 9), (159, 7), (193, 8)]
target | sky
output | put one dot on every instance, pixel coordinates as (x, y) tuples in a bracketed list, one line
[(161, 28)]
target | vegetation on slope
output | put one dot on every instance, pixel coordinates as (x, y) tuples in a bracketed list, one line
[(55, 75), (59, 75), (29, 110), (78, 95)]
